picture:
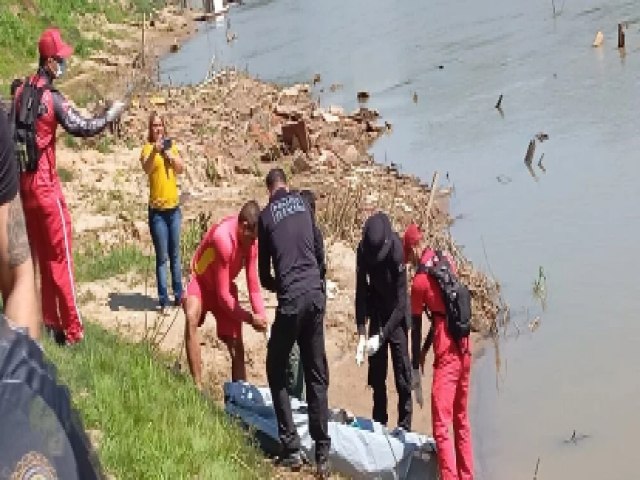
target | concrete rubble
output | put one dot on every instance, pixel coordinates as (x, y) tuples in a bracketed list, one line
[(233, 125)]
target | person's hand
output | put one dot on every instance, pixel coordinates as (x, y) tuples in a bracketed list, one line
[(373, 344), (416, 386), (258, 322), (158, 144), (115, 110), (360, 350)]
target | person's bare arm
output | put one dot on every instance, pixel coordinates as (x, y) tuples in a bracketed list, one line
[(147, 161), (174, 157), (17, 281)]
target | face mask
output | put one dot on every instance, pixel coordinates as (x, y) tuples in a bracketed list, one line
[(62, 66)]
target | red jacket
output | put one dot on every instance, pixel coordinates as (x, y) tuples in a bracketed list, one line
[(54, 110), (425, 292)]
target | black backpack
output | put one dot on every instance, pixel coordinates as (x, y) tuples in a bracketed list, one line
[(456, 296), (24, 125)]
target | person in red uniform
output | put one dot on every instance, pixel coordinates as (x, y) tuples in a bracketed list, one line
[(225, 249), (451, 366), (46, 212)]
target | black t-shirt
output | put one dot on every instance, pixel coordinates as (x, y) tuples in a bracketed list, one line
[(286, 238), (8, 165)]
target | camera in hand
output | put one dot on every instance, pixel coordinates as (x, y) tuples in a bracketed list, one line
[(166, 144)]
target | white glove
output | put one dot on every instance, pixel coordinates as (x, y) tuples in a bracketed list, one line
[(416, 385), (115, 110), (373, 344), (267, 332), (360, 350)]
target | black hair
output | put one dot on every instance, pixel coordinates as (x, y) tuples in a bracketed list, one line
[(249, 213), (275, 175)]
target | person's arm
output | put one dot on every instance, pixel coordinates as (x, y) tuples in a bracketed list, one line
[(264, 259), (399, 312), (417, 307), (16, 269), (146, 157), (428, 341), (318, 244), (174, 158), (17, 282), (253, 284), (361, 293), (72, 121), (224, 299), (416, 339)]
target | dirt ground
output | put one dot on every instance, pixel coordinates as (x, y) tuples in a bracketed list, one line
[(128, 303), (230, 131)]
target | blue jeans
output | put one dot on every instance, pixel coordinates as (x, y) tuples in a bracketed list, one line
[(165, 233)]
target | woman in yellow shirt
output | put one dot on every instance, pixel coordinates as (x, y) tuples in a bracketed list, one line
[(161, 161)]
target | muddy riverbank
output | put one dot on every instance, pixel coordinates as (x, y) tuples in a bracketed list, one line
[(232, 129)]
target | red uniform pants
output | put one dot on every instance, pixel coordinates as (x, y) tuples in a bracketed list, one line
[(449, 395), (49, 230)]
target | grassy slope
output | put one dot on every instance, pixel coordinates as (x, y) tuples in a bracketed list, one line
[(154, 424), (22, 22)]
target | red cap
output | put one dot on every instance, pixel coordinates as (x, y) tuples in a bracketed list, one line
[(412, 236), (51, 44)]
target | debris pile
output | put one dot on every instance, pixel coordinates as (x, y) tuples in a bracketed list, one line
[(233, 125)]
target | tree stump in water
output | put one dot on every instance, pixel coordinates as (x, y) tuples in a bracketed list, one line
[(528, 158), (620, 35)]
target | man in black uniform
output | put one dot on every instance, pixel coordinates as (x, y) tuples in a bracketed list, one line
[(295, 373), (318, 240), (286, 238), (381, 296)]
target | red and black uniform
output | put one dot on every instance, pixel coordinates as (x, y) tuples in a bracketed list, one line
[(451, 374), (46, 213)]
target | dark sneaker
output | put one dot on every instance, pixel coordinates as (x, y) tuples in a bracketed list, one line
[(177, 302), (291, 460), (57, 335), (323, 472), (60, 337)]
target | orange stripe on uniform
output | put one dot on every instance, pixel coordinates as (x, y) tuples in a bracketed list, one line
[(207, 258)]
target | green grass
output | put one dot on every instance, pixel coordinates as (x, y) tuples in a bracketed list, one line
[(192, 233), (153, 423), (22, 22), (95, 263), (65, 174)]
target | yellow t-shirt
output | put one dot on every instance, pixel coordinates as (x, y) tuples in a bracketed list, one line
[(163, 188)]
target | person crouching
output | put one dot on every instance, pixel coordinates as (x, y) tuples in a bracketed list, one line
[(224, 250)]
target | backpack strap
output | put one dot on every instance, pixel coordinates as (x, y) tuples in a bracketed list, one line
[(422, 268)]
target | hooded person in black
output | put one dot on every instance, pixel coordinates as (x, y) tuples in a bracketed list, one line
[(381, 296)]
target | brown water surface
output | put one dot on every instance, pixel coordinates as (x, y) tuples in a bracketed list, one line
[(579, 220)]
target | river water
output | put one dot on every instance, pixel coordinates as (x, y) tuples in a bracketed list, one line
[(579, 370)]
